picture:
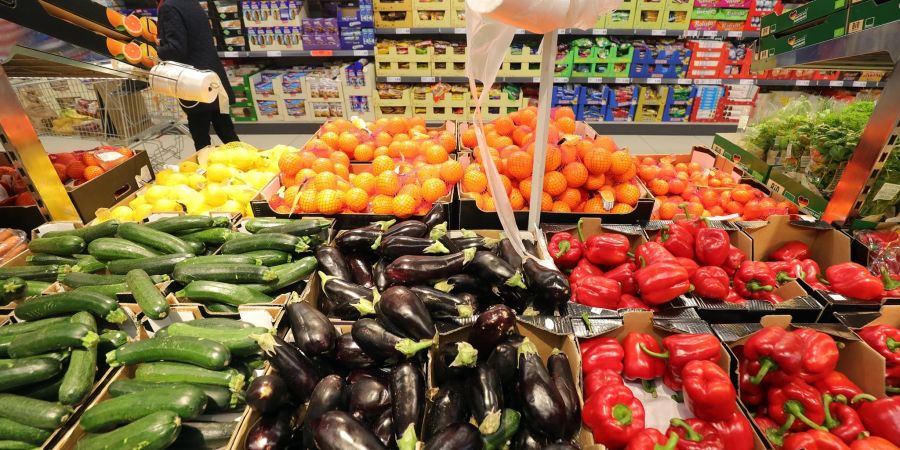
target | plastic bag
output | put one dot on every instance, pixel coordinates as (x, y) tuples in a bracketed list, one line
[(12, 242)]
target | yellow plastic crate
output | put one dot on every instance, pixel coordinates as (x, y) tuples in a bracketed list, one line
[(648, 18), (458, 13), (651, 103), (677, 16), (392, 5), (393, 19), (495, 107), (452, 107), (428, 18), (385, 107), (451, 63), (431, 5), (524, 64), (392, 61), (601, 22)]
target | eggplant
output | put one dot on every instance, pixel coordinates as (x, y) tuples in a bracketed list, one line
[(338, 430), (530, 246), (461, 282), (374, 339), (435, 216), (493, 269), (415, 269), (402, 311), (371, 372), (333, 263), (369, 397), (267, 394), (447, 408), (408, 403), (459, 436), (299, 372), (381, 225), (398, 245), (330, 394), (349, 355), (412, 228), (561, 446), (451, 246), (359, 240), (484, 396), (272, 432), (442, 305), (454, 361), (313, 332), (379, 274), (491, 327), (550, 287), (561, 374), (508, 253), (479, 243), (526, 439), (350, 301), (384, 428), (505, 360), (542, 405), (327, 364), (517, 299), (361, 271)]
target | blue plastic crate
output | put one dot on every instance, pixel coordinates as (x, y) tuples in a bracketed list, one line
[(614, 105), (673, 104)]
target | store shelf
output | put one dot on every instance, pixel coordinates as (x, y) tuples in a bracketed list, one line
[(296, 53), (695, 34), (876, 48), (626, 80)]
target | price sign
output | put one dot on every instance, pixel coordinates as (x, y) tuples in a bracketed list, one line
[(459, 31), (802, 82), (623, 80), (599, 31), (274, 53), (360, 53), (560, 80), (321, 53), (691, 33), (428, 79), (775, 187), (735, 34), (710, 34), (402, 30), (859, 84), (231, 54), (393, 79), (685, 81), (536, 79), (595, 80), (657, 32), (836, 83), (654, 80)]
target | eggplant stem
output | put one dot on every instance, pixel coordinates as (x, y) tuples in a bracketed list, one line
[(527, 347), (468, 233), (516, 281), (491, 423), (408, 439), (437, 247), (410, 347), (265, 341), (365, 307), (464, 311), (466, 355), (468, 255), (438, 231), (377, 242), (443, 286)]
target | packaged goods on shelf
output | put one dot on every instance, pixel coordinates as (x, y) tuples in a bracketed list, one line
[(458, 13), (621, 102), (677, 15), (441, 101), (679, 103), (502, 100), (449, 59), (12, 241), (623, 17), (272, 13), (523, 60), (403, 58), (358, 81), (227, 21), (706, 103), (432, 14), (393, 100), (243, 109), (651, 103), (593, 106), (393, 19), (649, 15)]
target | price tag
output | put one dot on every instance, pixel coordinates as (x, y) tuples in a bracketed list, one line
[(708, 81), (459, 31), (837, 297), (393, 79), (623, 80), (599, 31), (859, 84), (775, 187), (710, 34), (654, 80), (718, 149), (560, 80), (360, 52), (321, 53), (595, 80), (657, 32), (274, 53), (746, 82), (802, 82), (736, 34), (520, 31), (402, 30), (231, 54), (691, 33), (536, 79), (563, 31), (685, 81), (837, 83), (428, 79)]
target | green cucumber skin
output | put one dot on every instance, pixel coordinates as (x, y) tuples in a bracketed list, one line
[(197, 247), (79, 377), (22, 372), (169, 372), (47, 259), (256, 224), (221, 308), (45, 390), (55, 337), (185, 349), (34, 273), (14, 431), (34, 413), (109, 290), (89, 265), (27, 327), (203, 435), (156, 265), (180, 223), (299, 228), (271, 257), (147, 296), (215, 236), (4, 345), (220, 260), (16, 445), (79, 279), (225, 274), (218, 398), (220, 323), (292, 273), (186, 401), (101, 306), (270, 241), (152, 432), (110, 249), (35, 288), (158, 240), (89, 233), (112, 339), (59, 245), (229, 294), (238, 341)]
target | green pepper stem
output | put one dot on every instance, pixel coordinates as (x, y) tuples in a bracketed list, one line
[(689, 432), (663, 355), (840, 398), (579, 229), (754, 286), (795, 408), (684, 207), (563, 247), (664, 234), (643, 261), (892, 344), (678, 397), (650, 387), (892, 389), (622, 414), (776, 435), (830, 421), (822, 279), (670, 444), (783, 277), (889, 283), (587, 322), (860, 397), (765, 365)]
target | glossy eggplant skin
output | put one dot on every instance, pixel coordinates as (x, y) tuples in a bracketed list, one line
[(459, 436), (561, 374), (484, 395), (492, 269), (435, 216), (443, 305), (396, 246), (361, 271), (358, 240), (299, 373), (465, 282), (491, 327), (346, 299), (449, 244), (369, 398), (413, 228), (272, 432), (402, 311), (476, 242), (338, 430), (329, 395), (550, 287), (530, 246), (313, 332), (512, 296), (526, 439), (508, 253), (408, 398), (449, 365), (505, 359), (349, 355), (332, 262), (415, 269), (384, 428), (267, 394), (447, 407), (371, 372), (376, 340), (379, 274), (542, 406)]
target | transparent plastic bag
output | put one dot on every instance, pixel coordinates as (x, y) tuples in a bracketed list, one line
[(12, 242)]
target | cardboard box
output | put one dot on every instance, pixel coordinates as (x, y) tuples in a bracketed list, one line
[(809, 201), (112, 186), (788, 20), (823, 29), (887, 315), (872, 13), (731, 147)]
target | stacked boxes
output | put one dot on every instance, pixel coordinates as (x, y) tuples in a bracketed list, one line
[(432, 13), (620, 103), (623, 17), (449, 59), (651, 102), (502, 100), (299, 94), (522, 60), (225, 17), (321, 34), (273, 25), (706, 101), (592, 107), (358, 80), (809, 24), (393, 13), (356, 23), (393, 100), (403, 58), (649, 14), (677, 15), (243, 109), (441, 101), (871, 13), (458, 13), (679, 104), (662, 59), (721, 15)]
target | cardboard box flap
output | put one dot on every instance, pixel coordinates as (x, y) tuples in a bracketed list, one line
[(655, 225), (751, 224), (594, 225), (681, 326), (684, 314), (812, 225), (579, 310), (553, 324), (733, 332), (799, 302), (856, 320), (751, 305), (835, 330), (590, 327), (682, 302)]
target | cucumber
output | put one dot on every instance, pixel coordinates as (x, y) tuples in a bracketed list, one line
[(152, 432), (79, 377), (218, 398), (34, 413), (158, 240), (203, 435), (89, 233), (180, 223), (109, 290), (35, 288), (220, 260), (256, 224), (156, 265), (292, 273), (204, 353), (219, 323), (109, 249), (216, 236), (233, 273), (4, 345), (221, 308), (89, 265), (16, 445), (99, 305), (45, 390), (186, 401), (237, 340), (170, 372), (55, 337), (214, 291), (147, 296), (12, 289), (14, 329), (22, 372), (112, 339), (39, 273), (59, 245), (197, 247), (79, 279), (221, 221), (302, 227), (270, 241), (271, 257), (15, 431), (509, 424), (46, 259)]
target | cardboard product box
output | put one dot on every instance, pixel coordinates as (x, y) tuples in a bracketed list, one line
[(791, 19), (819, 30), (113, 185), (887, 315), (784, 187), (622, 18), (23, 218), (731, 146), (871, 13)]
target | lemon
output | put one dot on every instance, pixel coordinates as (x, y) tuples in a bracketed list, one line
[(102, 214), (241, 194), (230, 206), (141, 212), (201, 209), (216, 157), (243, 159), (155, 193), (137, 201), (122, 213), (217, 173), (196, 181), (188, 167), (163, 175), (176, 179), (166, 205), (214, 195)]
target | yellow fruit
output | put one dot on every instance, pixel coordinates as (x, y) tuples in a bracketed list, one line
[(102, 214), (230, 206), (214, 195), (155, 193), (196, 181), (244, 159), (216, 157), (166, 205), (137, 201), (217, 173), (122, 213), (241, 194), (163, 175), (141, 212), (188, 167)]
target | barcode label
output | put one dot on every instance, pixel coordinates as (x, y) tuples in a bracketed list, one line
[(599, 31), (459, 30), (231, 54), (536, 79), (360, 53), (746, 82), (654, 80), (710, 34), (393, 79), (859, 84), (658, 33), (802, 82), (595, 80), (402, 30), (735, 34), (560, 80), (685, 81), (428, 79), (708, 81), (691, 33), (623, 80), (835, 83)]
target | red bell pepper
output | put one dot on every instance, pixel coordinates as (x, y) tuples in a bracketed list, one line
[(689, 222), (614, 416), (639, 365), (689, 264), (882, 418), (873, 443), (631, 302), (814, 440), (774, 433), (736, 432), (651, 253), (582, 270), (885, 340), (695, 434), (598, 291), (892, 380), (624, 274), (751, 394), (878, 240), (790, 251), (853, 280), (778, 351), (711, 247), (678, 240), (566, 249), (820, 355), (652, 439), (736, 257), (734, 297), (785, 270), (607, 249), (673, 381), (754, 280), (662, 282), (797, 403), (842, 420), (599, 379), (601, 353), (812, 275), (708, 392), (680, 349), (711, 282), (836, 383), (891, 284)]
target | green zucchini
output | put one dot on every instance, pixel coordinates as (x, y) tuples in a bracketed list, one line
[(156, 265), (256, 224), (146, 294), (55, 337), (172, 372), (35, 288), (89, 265), (197, 247), (204, 353), (220, 323), (22, 372), (12, 289), (111, 339), (270, 241), (59, 245), (229, 294), (271, 257), (186, 401), (509, 424), (39, 273), (45, 390), (302, 227), (109, 290), (46, 259), (109, 249), (27, 327), (218, 398), (70, 302), (158, 240), (203, 435), (180, 223), (221, 221), (220, 260), (4, 345), (16, 445), (15, 431), (221, 308), (79, 279), (89, 233), (152, 432), (234, 273), (292, 273), (79, 377), (237, 340), (215, 236), (31, 412)]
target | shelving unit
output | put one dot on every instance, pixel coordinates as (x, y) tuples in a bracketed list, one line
[(627, 80), (297, 53), (692, 34)]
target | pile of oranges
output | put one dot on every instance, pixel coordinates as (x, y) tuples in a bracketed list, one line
[(704, 192), (582, 174), (402, 138)]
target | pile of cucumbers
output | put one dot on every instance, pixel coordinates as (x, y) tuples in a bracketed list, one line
[(185, 370)]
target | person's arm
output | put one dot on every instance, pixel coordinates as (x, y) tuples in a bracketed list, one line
[(173, 41)]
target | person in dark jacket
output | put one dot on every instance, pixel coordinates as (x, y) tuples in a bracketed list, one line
[(185, 36)]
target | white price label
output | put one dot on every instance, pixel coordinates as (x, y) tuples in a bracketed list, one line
[(837, 297), (428, 79), (708, 81), (802, 82), (685, 81), (393, 79), (360, 53), (691, 33), (657, 32), (231, 54), (459, 31), (710, 33), (274, 53), (718, 149), (859, 84), (736, 34), (563, 31), (520, 31), (837, 83), (560, 80), (599, 31), (654, 80), (536, 79), (623, 80), (595, 80), (402, 30), (746, 82)]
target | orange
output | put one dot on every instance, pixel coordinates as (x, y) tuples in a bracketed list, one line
[(433, 189), (382, 204), (323, 165), (507, 184), (571, 197), (554, 183), (290, 163), (364, 181), (343, 185), (428, 171), (435, 154), (546, 202), (560, 206), (594, 205), (451, 171), (408, 149), (468, 138), (307, 159), (576, 174), (658, 186), (91, 172), (519, 165), (621, 208), (595, 182), (412, 190), (303, 175), (677, 186), (340, 158), (474, 181), (521, 135), (387, 183), (516, 200), (342, 171), (563, 112), (606, 143), (627, 194), (381, 151), (329, 202), (620, 162), (307, 201), (528, 117), (554, 158), (668, 210), (394, 149), (404, 205), (383, 139), (504, 126), (290, 194), (525, 188), (487, 203), (89, 159), (566, 125), (396, 125), (597, 161), (628, 175), (347, 142), (647, 172), (324, 180), (382, 164), (331, 139), (448, 141), (76, 170)]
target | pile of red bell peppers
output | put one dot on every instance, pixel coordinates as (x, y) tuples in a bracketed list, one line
[(788, 379), (686, 363), (885, 340)]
